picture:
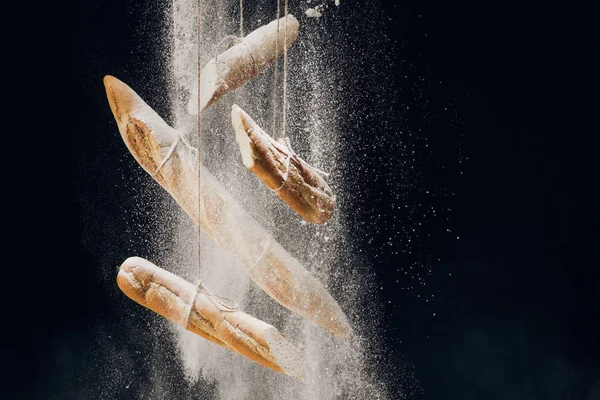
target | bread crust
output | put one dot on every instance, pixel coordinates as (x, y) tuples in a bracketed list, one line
[(199, 311), (171, 161), (277, 165), (243, 61)]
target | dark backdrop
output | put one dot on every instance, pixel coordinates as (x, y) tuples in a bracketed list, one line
[(511, 111)]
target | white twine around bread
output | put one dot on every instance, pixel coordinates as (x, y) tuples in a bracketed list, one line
[(170, 152), (167, 156), (262, 254), (286, 174), (189, 309), (238, 39), (291, 153), (214, 298), (217, 299)]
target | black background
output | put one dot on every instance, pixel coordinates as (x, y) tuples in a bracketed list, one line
[(517, 297)]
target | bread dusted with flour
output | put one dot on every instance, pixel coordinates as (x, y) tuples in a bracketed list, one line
[(279, 167), (171, 161), (203, 313), (252, 55)]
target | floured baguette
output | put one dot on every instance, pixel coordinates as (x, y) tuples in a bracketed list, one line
[(243, 61), (198, 311), (276, 164), (167, 156)]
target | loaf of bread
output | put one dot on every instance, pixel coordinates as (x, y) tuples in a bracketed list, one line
[(201, 312), (243, 61), (171, 161), (278, 166)]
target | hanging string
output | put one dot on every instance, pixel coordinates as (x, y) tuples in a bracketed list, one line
[(284, 119), (286, 174), (237, 39), (223, 303), (198, 153), (285, 67), (275, 79), (284, 122)]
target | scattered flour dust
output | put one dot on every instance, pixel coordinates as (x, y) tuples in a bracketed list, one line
[(335, 368), (312, 13)]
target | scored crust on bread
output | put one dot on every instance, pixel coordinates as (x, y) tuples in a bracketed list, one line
[(171, 161), (277, 165), (243, 61), (200, 312)]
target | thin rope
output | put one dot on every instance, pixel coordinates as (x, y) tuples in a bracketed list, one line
[(291, 153), (199, 110), (276, 76), (189, 309), (315, 169), (215, 298), (167, 156), (262, 255), (285, 68), (285, 175), (287, 149), (218, 48)]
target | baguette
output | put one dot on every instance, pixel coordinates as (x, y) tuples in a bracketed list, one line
[(198, 311), (276, 164), (243, 61), (171, 161)]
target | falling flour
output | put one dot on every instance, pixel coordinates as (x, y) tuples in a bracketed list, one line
[(312, 13), (334, 368)]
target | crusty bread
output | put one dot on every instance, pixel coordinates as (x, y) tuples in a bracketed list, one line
[(243, 61), (200, 312), (276, 164), (166, 155)]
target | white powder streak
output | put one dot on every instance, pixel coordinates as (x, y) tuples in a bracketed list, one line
[(335, 368)]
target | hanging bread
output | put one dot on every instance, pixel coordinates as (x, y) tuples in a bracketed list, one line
[(203, 313), (243, 61), (279, 167), (171, 161)]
